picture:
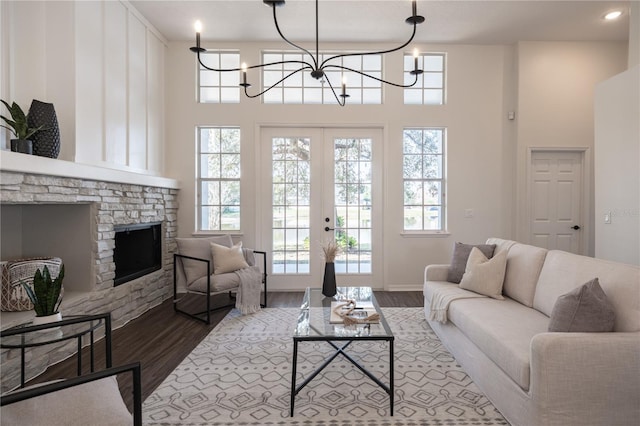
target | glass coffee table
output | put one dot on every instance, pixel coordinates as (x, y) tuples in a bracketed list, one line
[(315, 324)]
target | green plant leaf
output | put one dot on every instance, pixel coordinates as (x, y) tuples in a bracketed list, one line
[(39, 288), (18, 121), (30, 293), (47, 291)]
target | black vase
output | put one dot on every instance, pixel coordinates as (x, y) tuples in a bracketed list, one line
[(329, 281), (46, 142)]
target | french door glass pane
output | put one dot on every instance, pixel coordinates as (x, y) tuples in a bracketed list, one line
[(352, 200), (290, 201)]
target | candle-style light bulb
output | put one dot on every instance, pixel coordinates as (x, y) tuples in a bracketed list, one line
[(198, 27), (414, 8), (344, 85), (415, 59), (244, 73)]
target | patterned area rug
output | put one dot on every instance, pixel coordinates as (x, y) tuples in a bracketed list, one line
[(241, 374)]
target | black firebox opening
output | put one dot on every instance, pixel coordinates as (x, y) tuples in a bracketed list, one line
[(138, 251)]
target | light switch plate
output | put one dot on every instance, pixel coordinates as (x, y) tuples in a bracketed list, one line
[(607, 217)]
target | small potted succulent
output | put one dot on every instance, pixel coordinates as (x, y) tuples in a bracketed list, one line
[(18, 125), (46, 296)]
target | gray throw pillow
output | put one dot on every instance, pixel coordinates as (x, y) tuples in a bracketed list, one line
[(461, 255), (585, 309)]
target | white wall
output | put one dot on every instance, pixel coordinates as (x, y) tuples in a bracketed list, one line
[(617, 167), (634, 34), (556, 85), (480, 155), (102, 65)]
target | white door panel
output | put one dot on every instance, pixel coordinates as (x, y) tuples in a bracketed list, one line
[(555, 180)]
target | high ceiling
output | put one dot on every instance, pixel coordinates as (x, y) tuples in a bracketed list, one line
[(450, 21)]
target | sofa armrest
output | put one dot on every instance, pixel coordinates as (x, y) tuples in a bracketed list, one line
[(600, 370), (436, 273)]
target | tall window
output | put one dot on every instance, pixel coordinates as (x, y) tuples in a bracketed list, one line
[(423, 176), (429, 90), (218, 179), (219, 87), (301, 88)]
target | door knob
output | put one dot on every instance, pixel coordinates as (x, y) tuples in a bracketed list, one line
[(576, 227)]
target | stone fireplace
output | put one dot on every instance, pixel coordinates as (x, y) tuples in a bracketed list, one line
[(75, 218)]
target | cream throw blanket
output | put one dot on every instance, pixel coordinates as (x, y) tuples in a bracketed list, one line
[(248, 296), (443, 297)]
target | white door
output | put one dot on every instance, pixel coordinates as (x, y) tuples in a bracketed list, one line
[(555, 200), (320, 185)]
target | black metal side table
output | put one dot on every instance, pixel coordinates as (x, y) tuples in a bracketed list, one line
[(26, 336)]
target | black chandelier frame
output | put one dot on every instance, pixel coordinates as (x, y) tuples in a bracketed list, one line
[(316, 67)]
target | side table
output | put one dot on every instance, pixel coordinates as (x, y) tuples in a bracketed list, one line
[(71, 327)]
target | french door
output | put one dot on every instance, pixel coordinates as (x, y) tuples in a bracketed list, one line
[(320, 185)]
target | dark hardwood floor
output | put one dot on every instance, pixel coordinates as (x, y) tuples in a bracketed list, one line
[(161, 338)]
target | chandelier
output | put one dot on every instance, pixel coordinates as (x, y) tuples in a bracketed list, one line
[(314, 65)]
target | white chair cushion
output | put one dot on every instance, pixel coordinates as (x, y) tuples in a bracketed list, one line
[(94, 403)]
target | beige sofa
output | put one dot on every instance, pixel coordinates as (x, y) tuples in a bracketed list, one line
[(535, 377)]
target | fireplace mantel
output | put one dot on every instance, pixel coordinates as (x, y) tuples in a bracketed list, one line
[(24, 163)]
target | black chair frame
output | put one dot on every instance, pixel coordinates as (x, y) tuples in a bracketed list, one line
[(209, 293)]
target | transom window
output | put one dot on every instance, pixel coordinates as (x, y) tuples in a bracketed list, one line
[(423, 176), (429, 90), (219, 87), (218, 179), (301, 88)]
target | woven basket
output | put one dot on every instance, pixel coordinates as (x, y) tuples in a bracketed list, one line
[(15, 272)]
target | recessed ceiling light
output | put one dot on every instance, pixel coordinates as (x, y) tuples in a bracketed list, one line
[(613, 15)]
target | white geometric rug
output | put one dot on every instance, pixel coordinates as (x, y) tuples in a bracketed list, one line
[(241, 374)]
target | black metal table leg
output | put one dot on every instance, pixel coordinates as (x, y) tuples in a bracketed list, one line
[(79, 355), (293, 374), (391, 386)]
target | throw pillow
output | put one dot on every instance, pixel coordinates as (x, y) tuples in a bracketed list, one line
[(227, 259), (461, 255), (485, 276), (584, 309), (199, 248)]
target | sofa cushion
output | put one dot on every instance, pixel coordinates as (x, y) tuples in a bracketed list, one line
[(461, 255), (562, 272), (503, 330), (200, 248), (584, 309), (524, 263), (500, 244), (485, 276)]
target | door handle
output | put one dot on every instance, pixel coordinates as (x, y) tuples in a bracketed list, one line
[(327, 229), (576, 227)]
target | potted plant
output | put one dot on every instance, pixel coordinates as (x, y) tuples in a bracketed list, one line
[(18, 125), (46, 296)]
